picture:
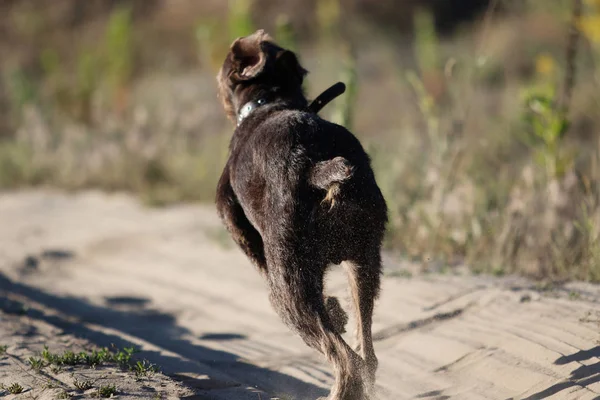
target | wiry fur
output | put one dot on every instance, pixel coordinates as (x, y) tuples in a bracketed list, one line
[(298, 194)]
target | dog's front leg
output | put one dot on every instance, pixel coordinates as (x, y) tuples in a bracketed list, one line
[(232, 214)]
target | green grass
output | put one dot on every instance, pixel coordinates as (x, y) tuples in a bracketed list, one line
[(106, 391), (3, 349), (36, 364), (144, 368), (13, 388), (92, 358)]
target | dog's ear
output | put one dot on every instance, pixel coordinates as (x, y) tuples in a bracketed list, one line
[(249, 55), (288, 67)]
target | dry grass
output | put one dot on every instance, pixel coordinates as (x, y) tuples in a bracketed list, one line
[(464, 131)]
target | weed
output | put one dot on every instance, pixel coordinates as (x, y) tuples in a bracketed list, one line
[(64, 395), (92, 359), (13, 388), (123, 357), (3, 350), (105, 391), (36, 363), (144, 368), (82, 384), (70, 358)]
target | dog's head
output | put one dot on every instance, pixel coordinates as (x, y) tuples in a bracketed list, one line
[(256, 68)]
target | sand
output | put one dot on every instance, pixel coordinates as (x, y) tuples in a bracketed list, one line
[(78, 271)]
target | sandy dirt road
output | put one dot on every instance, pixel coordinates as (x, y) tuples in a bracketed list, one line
[(107, 270)]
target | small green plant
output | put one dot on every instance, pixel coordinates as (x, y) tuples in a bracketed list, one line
[(13, 388), (82, 384), (64, 395), (123, 357), (70, 358), (36, 363), (92, 359), (3, 349), (105, 391), (144, 368), (547, 126)]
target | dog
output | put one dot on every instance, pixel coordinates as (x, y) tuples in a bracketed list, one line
[(298, 194)]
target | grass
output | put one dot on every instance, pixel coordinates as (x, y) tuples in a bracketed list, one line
[(64, 395), (3, 349), (93, 358), (13, 388), (83, 384), (144, 368), (105, 391), (36, 364), (478, 159)]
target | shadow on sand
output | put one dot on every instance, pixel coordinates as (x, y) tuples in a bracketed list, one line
[(129, 316), (582, 376)]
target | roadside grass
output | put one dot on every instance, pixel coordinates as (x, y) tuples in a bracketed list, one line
[(479, 159)]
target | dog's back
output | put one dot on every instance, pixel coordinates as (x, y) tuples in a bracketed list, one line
[(272, 155)]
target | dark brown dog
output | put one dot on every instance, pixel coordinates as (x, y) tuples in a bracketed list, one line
[(298, 194)]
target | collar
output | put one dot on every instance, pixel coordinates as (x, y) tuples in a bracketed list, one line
[(248, 108), (315, 106)]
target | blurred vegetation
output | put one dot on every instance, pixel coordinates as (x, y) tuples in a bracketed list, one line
[(481, 116)]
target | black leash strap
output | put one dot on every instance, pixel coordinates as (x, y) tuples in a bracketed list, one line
[(326, 97)]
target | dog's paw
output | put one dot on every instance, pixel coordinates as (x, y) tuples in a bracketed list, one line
[(337, 315)]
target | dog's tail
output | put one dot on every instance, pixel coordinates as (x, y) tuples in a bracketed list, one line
[(329, 175)]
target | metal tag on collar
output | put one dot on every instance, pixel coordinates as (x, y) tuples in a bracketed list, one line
[(248, 108)]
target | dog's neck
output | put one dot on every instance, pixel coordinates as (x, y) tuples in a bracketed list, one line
[(248, 108), (315, 106)]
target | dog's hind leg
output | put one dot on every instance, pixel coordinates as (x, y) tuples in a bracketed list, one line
[(364, 276), (297, 296)]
